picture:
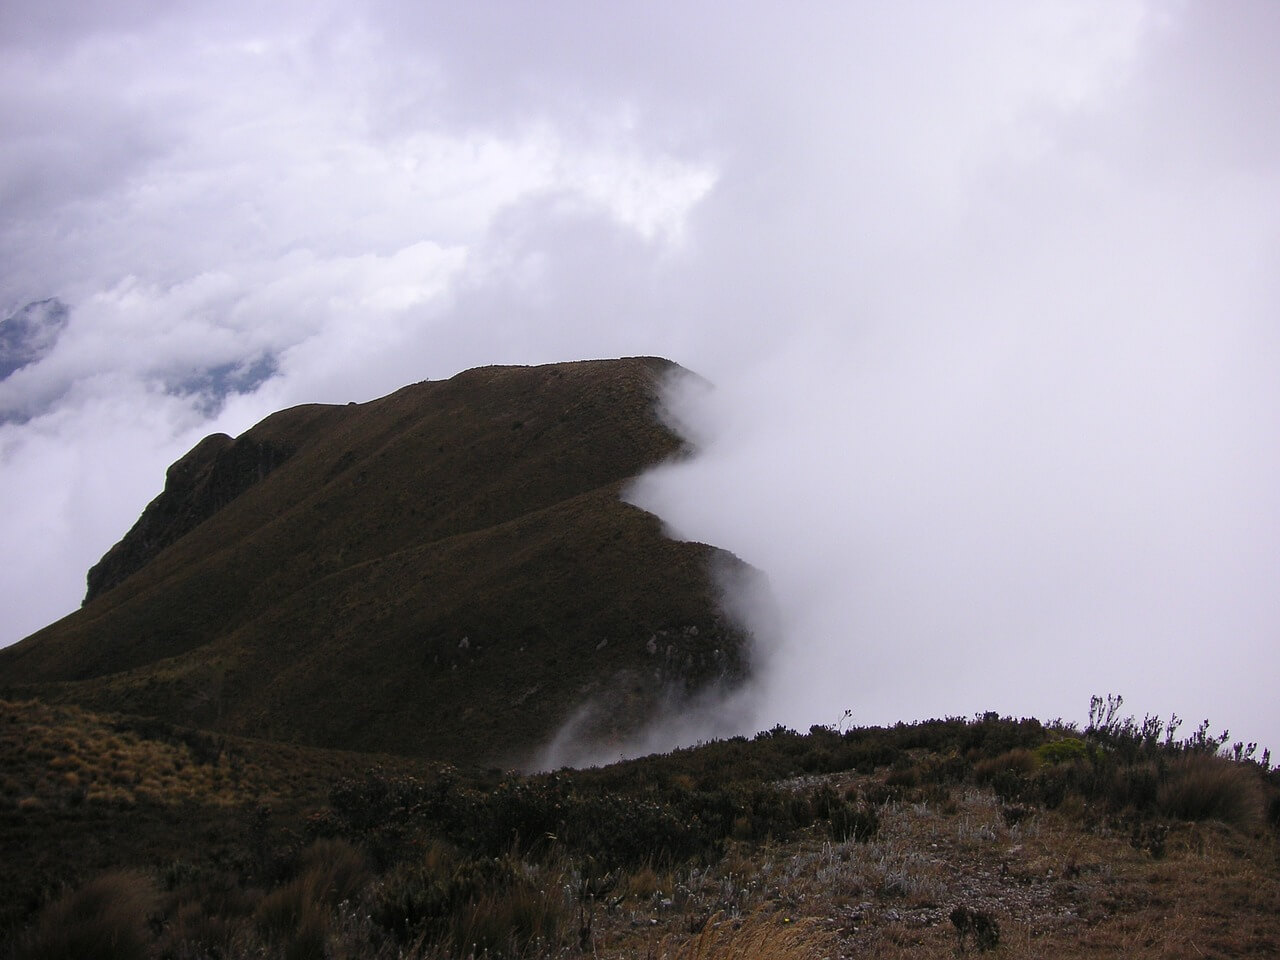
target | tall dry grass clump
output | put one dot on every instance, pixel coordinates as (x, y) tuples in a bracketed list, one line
[(1019, 761), (1205, 787), (464, 906), (515, 922), (334, 870), (758, 937), (105, 919), (297, 917)]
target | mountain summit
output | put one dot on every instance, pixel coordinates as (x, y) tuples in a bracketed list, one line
[(448, 572)]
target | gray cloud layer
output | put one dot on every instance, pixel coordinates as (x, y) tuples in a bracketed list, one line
[(989, 297)]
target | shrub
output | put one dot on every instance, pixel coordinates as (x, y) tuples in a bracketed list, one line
[(1135, 786), (1061, 751), (1054, 782), (878, 794), (414, 895), (850, 822), (495, 906), (819, 760), (1204, 787), (105, 919), (1010, 774), (903, 775), (938, 770), (363, 803)]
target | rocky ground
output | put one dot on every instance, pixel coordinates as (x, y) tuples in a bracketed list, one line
[(1052, 889)]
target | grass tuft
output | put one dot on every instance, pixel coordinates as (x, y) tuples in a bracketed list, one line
[(1019, 761), (297, 916), (513, 922), (105, 919), (1203, 787), (759, 937)]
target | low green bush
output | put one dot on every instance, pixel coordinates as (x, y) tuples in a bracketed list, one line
[(1062, 751)]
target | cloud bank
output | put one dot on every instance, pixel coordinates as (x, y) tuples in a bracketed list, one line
[(988, 298)]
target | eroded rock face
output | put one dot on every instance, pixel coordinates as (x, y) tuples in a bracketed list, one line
[(214, 473)]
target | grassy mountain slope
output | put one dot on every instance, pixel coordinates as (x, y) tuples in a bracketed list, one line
[(447, 571)]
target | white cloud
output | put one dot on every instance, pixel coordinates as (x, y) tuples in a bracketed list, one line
[(70, 476)]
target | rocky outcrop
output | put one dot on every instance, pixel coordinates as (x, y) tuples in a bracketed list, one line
[(215, 472)]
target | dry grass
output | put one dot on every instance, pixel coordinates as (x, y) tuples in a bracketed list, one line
[(1019, 760), (522, 920), (1201, 787), (1055, 889), (106, 919), (62, 756), (1080, 880), (758, 937), (642, 884), (330, 871)]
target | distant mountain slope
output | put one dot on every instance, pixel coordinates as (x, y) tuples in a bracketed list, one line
[(30, 333), (447, 571)]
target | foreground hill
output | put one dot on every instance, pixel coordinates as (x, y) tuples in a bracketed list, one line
[(447, 572), (132, 838)]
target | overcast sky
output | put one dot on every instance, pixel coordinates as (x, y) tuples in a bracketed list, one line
[(989, 293)]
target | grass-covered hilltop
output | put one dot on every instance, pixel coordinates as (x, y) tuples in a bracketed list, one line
[(446, 572), (284, 722)]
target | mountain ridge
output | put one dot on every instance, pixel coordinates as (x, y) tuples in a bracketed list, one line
[(319, 575)]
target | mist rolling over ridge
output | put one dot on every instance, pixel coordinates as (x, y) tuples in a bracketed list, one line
[(986, 301), (930, 553)]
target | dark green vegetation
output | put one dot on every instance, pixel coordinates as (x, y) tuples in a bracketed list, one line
[(181, 843), (446, 572)]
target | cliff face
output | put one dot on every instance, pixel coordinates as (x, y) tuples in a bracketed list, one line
[(448, 571), (215, 472)]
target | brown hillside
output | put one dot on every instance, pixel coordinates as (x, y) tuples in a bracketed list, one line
[(447, 571)]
